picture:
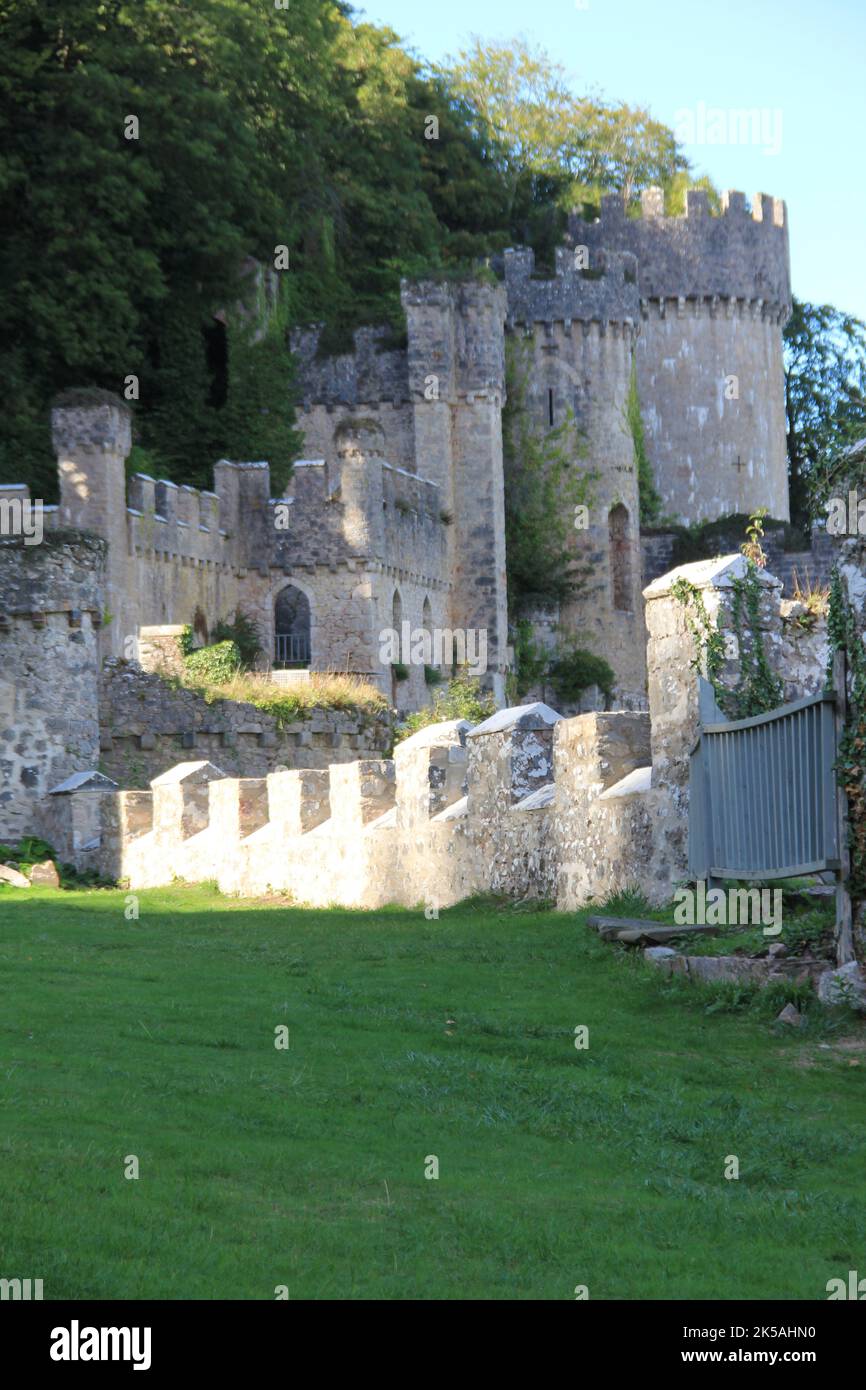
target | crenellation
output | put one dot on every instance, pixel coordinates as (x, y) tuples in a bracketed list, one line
[(395, 515), (527, 803)]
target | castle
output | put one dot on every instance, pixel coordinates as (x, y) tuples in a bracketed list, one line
[(395, 520)]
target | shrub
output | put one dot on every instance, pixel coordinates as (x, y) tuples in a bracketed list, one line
[(212, 665), (401, 672), (575, 671), (462, 699), (531, 660), (243, 631)]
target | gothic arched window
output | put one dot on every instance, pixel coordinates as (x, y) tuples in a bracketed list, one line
[(292, 627)]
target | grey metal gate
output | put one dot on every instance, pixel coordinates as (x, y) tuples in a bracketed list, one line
[(762, 792), (764, 801)]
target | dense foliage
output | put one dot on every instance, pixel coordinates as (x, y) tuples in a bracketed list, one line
[(151, 150), (825, 399)]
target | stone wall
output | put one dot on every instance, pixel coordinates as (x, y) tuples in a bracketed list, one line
[(50, 608), (527, 804), (146, 727)]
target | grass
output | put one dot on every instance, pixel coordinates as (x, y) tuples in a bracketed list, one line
[(408, 1038), (324, 690)]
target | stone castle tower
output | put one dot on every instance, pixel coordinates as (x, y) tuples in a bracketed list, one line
[(434, 409), (715, 293), (580, 329), (395, 518)]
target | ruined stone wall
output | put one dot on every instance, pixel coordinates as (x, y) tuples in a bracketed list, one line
[(322, 424), (51, 599), (527, 804), (147, 726), (170, 550)]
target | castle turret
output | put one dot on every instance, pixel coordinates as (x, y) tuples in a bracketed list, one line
[(574, 337), (714, 296), (457, 384), (92, 435)]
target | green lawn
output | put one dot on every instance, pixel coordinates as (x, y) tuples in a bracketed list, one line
[(305, 1167)]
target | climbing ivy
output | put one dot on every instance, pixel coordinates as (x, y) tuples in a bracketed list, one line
[(709, 643), (648, 496), (851, 760), (758, 690)]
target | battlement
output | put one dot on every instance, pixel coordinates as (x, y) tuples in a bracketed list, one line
[(90, 422), (64, 574), (604, 291), (357, 508), (739, 253), (372, 371), (455, 340), (196, 524)]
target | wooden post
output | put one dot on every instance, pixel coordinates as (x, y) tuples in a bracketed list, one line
[(844, 927)]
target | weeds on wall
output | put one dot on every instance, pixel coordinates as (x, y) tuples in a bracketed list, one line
[(757, 690), (649, 500), (462, 698)]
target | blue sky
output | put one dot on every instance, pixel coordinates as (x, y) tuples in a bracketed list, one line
[(802, 59)]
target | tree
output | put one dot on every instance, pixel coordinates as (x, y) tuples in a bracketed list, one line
[(544, 484), (825, 398), (554, 149)]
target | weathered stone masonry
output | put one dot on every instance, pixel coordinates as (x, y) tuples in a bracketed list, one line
[(525, 804), (50, 610)]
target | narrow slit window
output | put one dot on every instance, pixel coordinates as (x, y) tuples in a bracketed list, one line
[(550, 406), (620, 558)]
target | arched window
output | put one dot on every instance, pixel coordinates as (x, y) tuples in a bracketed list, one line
[(292, 628), (396, 611), (620, 558), (427, 625)]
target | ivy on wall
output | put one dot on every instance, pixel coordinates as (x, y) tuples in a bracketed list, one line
[(758, 690), (649, 499), (545, 479)]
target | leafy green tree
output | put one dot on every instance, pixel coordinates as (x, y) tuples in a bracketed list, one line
[(544, 483), (825, 398), (556, 150)]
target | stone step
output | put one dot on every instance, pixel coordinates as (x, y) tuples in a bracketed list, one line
[(634, 929)]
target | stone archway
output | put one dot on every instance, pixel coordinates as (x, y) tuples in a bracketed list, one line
[(291, 628)]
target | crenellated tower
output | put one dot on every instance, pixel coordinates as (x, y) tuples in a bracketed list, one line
[(580, 328), (456, 373), (715, 294)]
